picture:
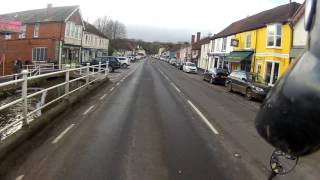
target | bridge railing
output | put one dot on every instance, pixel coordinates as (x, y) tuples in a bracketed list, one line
[(87, 73)]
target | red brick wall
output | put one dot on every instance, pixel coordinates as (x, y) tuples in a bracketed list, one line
[(22, 48)]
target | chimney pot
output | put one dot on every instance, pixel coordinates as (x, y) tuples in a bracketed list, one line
[(193, 37), (198, 36), (49, 5)]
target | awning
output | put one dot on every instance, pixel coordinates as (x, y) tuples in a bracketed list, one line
[(238, 56), (296, 52)]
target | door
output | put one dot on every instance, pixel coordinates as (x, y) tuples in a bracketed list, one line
[(272, 72)]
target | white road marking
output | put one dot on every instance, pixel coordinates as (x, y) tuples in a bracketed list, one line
[(88, 110), (62, 134), (102, 97), (166, 77), (111, 89), (19, 177), (118, 84), (203, 118), (173, 85)]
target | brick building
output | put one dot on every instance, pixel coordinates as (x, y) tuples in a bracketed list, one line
[(52, 34)]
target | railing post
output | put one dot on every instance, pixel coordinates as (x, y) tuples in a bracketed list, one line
[(67, 79), (88, 71), (99, 68), (107, 68), (24, 97)]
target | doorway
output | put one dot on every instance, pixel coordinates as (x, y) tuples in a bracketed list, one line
[(272, 72)]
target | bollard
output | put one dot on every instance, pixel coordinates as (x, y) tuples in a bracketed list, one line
[(99, 68), (24, 97), (67, 79), (88, 71)]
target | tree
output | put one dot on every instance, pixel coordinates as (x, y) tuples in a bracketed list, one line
[(113, 29)]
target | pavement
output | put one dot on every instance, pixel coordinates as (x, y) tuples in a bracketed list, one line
[(153, 122)]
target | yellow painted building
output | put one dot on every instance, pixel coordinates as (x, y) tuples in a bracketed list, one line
[(271, 46)]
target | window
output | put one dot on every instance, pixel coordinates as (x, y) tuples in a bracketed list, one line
[(36, 30), (218, 45), (7, 36), (22, 34), (68, 29), (79, 32), (72, 31), (248, 40), (224, 44), (39, 54), (274, 35), (272, 72)]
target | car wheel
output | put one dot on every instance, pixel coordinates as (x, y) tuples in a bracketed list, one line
[(124, 66), (229, 86), (211, 81), (249, 94)]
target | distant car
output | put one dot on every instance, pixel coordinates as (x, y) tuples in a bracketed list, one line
[(173, 61), (125, 62), (190, 67), (216, 76), (245, 83), (131, 58), (177, 65)]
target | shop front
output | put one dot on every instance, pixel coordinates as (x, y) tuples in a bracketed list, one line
[(240, 60), (71, 54)]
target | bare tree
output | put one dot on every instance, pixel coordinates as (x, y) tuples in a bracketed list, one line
[(111, 28)]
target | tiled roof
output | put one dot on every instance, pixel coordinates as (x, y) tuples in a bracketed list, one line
[(197, 45), (280, 14), (91, 29), (56, 14), (298, 14)]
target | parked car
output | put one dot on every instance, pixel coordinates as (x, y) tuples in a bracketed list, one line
[(113, 63), (216, 76), (178, 64), (190, 67), (245, 83), (173, 61), (124, 61), (181, 66)]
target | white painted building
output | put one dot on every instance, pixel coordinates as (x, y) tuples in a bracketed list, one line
[(299, 34), (203, 62), (218, 51), (94, 43)]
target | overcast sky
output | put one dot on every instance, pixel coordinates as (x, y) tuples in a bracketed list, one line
[(162, 20)]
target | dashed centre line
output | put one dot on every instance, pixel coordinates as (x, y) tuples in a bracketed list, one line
[(205, 120), (19, 177), (173, 85), (88, 110), (111, 89), (57, 139), (102, 97)]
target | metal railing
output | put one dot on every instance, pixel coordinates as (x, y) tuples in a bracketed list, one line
[(85, 74)]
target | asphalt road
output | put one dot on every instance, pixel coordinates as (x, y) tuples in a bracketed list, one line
[(153, 122)]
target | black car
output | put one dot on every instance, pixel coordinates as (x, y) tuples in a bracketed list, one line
[(216, 76), (113, 63), (245, 83)]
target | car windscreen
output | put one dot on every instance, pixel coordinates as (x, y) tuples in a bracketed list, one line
[(191, 64)]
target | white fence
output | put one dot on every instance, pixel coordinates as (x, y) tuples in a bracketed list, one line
[(83, 72)]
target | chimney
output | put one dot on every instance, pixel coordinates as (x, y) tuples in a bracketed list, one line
[(198, 36), (49, 6), (192, 39)]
